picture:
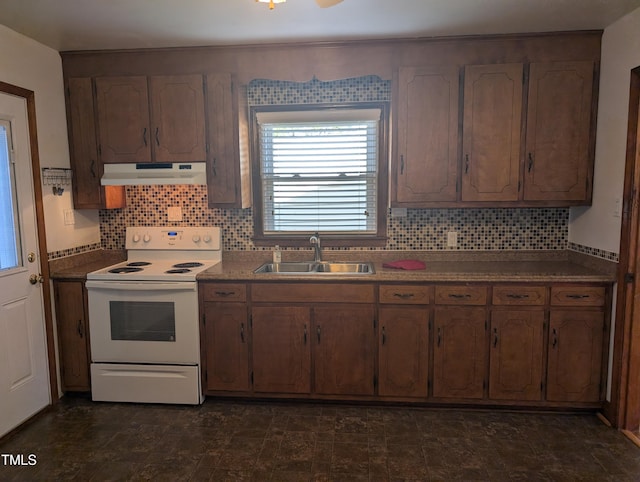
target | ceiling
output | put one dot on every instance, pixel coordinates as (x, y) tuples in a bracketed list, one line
[(122, 24)]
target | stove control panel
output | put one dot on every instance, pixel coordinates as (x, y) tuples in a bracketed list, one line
[(173, 238)]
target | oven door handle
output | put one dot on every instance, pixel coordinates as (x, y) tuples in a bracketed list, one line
[(141, 286)]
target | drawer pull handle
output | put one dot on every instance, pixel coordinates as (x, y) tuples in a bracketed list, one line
[(225, 293), (384, 336), (401, 164), (242, 332), (305, 334), (404, 296), (554, 342), (439, 336), (578, 297), (495, 337), (456, 296), (514, 296), (80, 333)]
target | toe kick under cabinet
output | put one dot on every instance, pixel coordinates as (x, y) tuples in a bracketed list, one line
[(484, 344)]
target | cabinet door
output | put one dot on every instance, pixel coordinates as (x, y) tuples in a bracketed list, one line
[(123, 119), (559, 161), (177, 118), (344, 343), (516, 355), (87, 191), (403, 347), (459, 352), (491, 132), (226, 331), (575, 356), (281, 349), (72, 335), (227, 171), (426, 158)]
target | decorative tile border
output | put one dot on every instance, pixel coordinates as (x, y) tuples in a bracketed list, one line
[(73, 251), (598, 253)]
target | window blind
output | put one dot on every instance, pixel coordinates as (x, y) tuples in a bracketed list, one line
[(319, 175)]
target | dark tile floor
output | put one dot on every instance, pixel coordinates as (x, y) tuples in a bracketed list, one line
[(224, 440)]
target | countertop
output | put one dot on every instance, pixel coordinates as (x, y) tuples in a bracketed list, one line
[(455, 266)]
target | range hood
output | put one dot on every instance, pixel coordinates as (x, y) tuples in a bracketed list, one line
[(154, 173)]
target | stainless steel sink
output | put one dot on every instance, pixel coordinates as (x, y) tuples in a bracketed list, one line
[(344, 267), (324, 267), (287, 267)]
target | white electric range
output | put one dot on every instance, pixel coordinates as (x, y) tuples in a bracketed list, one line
[(143, 316)]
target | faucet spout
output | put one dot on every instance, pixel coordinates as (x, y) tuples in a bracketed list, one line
[(317, 248)]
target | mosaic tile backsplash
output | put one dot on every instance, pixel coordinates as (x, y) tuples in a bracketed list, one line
[(422, 229)]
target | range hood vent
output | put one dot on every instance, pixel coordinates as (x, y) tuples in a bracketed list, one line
[(154, 173)]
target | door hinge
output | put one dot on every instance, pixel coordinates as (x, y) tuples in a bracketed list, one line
[(629, 278)]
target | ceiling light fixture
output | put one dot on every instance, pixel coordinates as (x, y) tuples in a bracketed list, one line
[(271, 2)]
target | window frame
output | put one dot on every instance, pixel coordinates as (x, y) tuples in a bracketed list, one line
[(328, 239)]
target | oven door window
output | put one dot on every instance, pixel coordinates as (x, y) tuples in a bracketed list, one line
[(143, 320)]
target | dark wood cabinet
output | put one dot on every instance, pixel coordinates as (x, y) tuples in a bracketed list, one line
[(491, 132), (403, 345), (143, 119), (344, 346), (228, 177), (559, 154), (459, 352), (73, 335), (83, 146), (516, 354), (575, 358), (281, 349), (425, 169), (226, 332)]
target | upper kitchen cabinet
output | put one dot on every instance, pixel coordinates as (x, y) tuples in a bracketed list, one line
[(144, 119), (559, 160), (491, 132), (426, 129), (83, 147), (228, 177)]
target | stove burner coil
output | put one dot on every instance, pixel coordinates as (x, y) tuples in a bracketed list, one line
[(125, 269), (192, 264), (178, 271), (139, 263)]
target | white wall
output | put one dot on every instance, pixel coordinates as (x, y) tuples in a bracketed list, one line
[(31, 65), (599, 225)]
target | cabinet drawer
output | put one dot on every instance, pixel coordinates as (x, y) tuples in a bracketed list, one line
[(224, 291), (312, 293), (461, 295), (578, 295), (405, 294), (519, 295)]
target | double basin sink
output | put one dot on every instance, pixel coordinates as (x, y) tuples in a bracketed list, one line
[(317, 268)]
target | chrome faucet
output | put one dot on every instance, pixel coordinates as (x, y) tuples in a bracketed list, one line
[(317, 249)]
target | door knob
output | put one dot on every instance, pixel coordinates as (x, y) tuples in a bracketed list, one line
[(36, 278)]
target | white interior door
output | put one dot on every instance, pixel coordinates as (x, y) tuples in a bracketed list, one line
[(24, 376)]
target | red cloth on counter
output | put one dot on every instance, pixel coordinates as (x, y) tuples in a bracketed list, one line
[(405, 264)]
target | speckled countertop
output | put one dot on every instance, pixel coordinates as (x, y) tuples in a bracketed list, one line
[(487, 266), (498, 266)]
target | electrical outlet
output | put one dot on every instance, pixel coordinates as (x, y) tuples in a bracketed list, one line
[(174, 213), (69, 217), (452, 239)]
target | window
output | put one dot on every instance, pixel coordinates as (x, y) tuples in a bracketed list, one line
[(9, 254), (320, 171)]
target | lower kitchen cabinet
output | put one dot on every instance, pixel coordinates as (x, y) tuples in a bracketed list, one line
[(226, 333), (344, 347), (73, 335), (403, 341), (575, 358), (281, 349), (516, 355), (459, 352)]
